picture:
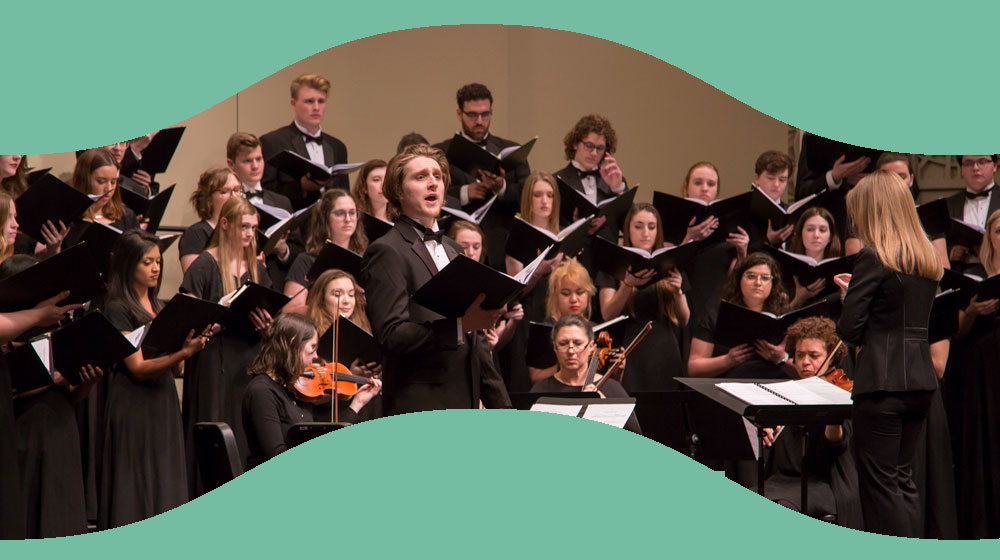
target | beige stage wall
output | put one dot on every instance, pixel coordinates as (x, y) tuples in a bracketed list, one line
[(542, 82)]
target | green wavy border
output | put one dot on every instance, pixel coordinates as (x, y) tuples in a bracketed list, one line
[(461, 484)]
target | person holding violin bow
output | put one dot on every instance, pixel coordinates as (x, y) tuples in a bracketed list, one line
[(573, 342), (833, 481), (276, 398)]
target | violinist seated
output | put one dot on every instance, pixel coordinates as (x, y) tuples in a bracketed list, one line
[(833, 480), (573, 342), (271, 404)]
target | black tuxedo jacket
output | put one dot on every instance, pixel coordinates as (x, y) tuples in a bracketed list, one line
[(496, 224), (425, 368), (290, 138), (956, 205), (886, 314)]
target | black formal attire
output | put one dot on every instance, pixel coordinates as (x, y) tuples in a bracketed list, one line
[(886, 313), (832, 478), (269, 410), (655, 362), (51, 472), (754, 368), (425, 367), (496, 224), (611, 389), (143, 471), (12, 505), (195, 238), (292, 139), (215, 378), (956, 209), (126, 222)]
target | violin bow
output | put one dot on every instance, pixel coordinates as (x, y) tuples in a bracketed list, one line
[(628, 350), (825, 366)]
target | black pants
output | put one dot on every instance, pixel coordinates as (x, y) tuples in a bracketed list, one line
[(886, 429)]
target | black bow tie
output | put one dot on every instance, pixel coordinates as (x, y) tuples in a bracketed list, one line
[(316, 139), (482, 143), (974, 196), (595, 173), (426, 233)]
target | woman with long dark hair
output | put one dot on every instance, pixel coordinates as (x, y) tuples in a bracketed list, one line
[(142, 472)]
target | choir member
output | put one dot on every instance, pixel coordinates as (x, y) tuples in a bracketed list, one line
[(975, 203), (658, 359), (573, 343), (770, 175), (367, 190), (14, 174), (887, 301), (431, 362), (816, 237), (214, 379), (270, 405), (336, 220), (143, 470), (754, 283), (215, 186), (570, 292), (96, 174)]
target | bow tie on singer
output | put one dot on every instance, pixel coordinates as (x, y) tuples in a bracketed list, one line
[(316, 139), (595, 173), (974, 196)]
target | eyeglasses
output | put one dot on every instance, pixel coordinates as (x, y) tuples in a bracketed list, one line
[(473, 116), (567, 345), (983, 162), (345, 214), (594, 148), (753, 277)]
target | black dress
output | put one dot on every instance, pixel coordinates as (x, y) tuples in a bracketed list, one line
[(832, 482), (51, 472), (300, 269), (611, 389), (143, 469), (654, 363), (11, 503), (126, 222), (195, 239), (754, 368), (215, 378), (512, 359)]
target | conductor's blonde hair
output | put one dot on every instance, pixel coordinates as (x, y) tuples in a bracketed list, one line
[(885, 219)]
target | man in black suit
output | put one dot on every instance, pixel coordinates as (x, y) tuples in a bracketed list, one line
[(244, 158), (431, 362), (592, 169), (770, 176), (473, 187), (304, 137), (974, 204)]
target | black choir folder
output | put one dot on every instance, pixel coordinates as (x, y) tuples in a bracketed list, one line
[(807, 269), (944, 315), (49, 199), (676, 214), (156, 157), (150, 208), (738, 325), (763, 209), (616, 260), (453, 289), (969, 285), (470, 157), (275, 222), (934, 217), (822, 153), (965, 234), (296, 166), (72, 269), (334, 256), (374, 227), (182, 314), (354, 342), (573, 200), (31, 365), (247, 298), (92, 340), (526, 241)]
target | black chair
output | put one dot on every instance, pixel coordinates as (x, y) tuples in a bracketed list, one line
[(218, 457), (305, 431)]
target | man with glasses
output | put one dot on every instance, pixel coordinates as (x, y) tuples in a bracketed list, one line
[(976, 202), (475, 112), (592, 168), (573, 342)]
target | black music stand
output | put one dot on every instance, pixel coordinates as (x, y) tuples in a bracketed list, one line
[(305, 431), (773, 415)]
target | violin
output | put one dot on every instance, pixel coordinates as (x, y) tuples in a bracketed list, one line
[(836, 375), (316, 382), (620, 357)]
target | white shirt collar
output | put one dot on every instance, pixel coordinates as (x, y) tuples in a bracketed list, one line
[(577, 165), (318, 134)]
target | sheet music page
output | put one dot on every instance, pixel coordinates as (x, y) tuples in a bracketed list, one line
[(564, 409), (828, 391), (42, 348), (797, 393), (611, 414), (135, 337), (528, 270), (750, 393)]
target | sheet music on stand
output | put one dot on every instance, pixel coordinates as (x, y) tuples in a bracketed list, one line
[(809, 391), (613, 412)]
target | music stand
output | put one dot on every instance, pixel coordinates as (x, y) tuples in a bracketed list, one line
[(305, 431), (805, 415)]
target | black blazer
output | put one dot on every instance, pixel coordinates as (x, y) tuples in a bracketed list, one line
[(886, 314), (425, 368), (290, 138), (956, 205)]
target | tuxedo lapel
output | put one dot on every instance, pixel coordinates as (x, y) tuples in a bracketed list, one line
[(298, 144), (571, 177)]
